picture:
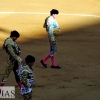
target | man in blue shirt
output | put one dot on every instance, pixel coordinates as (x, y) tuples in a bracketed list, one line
[(53, 30)]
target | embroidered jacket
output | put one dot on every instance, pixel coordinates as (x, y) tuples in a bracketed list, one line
[(52, 28), (12, 50), (26, 76)]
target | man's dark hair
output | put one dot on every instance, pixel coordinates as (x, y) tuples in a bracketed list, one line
[(54, 11), (14, 34), (29, 59)]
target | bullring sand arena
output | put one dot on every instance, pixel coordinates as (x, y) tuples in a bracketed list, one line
[(78, 46)]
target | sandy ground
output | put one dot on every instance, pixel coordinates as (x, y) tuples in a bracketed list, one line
[(78, 47)]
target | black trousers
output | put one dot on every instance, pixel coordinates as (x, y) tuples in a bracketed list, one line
[(15, 73)]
